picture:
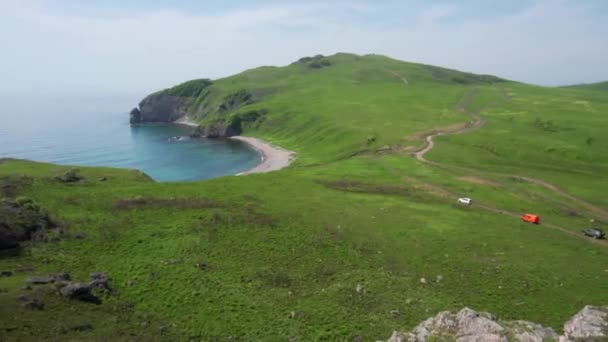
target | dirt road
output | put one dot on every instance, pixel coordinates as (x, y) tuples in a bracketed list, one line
[(476, 123)]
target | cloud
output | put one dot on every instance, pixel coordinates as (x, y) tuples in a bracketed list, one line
[(49, 48)]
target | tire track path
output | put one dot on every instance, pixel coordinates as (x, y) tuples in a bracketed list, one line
[(478, 122)]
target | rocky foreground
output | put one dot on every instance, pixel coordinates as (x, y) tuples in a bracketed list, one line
[(589, 324)]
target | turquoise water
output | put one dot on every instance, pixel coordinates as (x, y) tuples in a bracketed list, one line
[(164, 152)]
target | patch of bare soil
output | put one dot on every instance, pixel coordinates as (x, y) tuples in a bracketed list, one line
[(480, 181)]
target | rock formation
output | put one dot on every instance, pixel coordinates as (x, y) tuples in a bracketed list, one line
[(20, 220), (159, 107), (591, 323)]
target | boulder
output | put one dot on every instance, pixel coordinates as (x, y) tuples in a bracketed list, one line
[(70, 176), (589, 323), (134, 116), (20, 220), (31, 303), (79, 291), (469, 325), (159, 107)]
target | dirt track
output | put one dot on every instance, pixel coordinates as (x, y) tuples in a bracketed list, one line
[(476, 123)]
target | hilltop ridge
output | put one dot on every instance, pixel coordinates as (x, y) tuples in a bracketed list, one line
[(261, 98)]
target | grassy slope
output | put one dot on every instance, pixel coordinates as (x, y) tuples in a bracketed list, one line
[(303, 238)]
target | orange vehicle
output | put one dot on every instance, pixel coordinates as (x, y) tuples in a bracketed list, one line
[(531, 218)]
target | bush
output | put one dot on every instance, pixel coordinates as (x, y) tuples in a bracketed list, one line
[(547, 126)]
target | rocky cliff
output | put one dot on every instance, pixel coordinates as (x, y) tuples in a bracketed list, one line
[(590, 324), (160, 107), (171, 104), (221, 113)]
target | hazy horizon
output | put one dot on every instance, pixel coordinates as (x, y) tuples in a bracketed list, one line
[(59, 49)]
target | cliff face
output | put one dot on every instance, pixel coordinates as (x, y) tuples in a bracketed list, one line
[(220, 112), (160, 107)]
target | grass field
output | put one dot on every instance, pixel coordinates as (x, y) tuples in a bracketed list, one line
[(329, 248)]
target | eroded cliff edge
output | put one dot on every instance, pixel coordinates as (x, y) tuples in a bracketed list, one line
[(217, 112)]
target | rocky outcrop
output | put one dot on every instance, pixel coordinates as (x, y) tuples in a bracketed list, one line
[(135, 116), (215, 130), (590, 322), (20, 220), (160, 107), (468, 325)]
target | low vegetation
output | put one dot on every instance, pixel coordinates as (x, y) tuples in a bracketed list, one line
[(356, 239)]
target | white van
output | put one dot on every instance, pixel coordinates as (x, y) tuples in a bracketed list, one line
[(465, 201)]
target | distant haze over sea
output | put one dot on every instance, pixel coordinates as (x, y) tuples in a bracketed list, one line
[(94, 131)]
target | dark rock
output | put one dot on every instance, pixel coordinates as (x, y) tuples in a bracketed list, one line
[(63, 276), (31, 303), (135, 116), (79, 291), (160, 107), (80, 236), (103, 179), (6, 274), (82, 327), (20, 220), (70, 176), (26, 287)]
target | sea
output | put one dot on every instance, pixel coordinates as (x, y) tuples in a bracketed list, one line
[(98, 133)]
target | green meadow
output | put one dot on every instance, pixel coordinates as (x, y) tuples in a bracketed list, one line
[(356, 238)]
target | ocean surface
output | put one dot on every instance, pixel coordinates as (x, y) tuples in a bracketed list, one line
[(105, 138)]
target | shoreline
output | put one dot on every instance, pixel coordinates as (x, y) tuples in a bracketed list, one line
[(273, 158)]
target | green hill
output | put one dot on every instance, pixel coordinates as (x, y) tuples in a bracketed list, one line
[(356, 239), (591, 86)]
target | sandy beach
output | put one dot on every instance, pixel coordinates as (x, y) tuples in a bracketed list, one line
[(273, 158)]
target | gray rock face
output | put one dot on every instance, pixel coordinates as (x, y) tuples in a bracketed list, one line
[(590, 322), (135, 116), (159, 108), (79, 291), (472, 326)]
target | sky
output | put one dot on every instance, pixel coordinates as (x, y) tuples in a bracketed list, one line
[(64, 48)]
